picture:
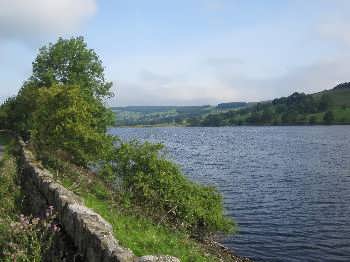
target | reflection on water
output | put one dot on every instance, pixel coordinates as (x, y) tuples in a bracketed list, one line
[(287, 187)]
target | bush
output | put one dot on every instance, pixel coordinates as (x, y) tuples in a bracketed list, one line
[(146, 178), (67, 121)]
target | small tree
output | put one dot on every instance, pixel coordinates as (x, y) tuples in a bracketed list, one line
[(328, 117), (325, 103), (289, 117)]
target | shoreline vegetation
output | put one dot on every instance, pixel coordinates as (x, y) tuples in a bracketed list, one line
[(243, 125), (61, 113)]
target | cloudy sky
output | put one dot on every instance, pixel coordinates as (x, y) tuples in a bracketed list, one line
[(187, 52)]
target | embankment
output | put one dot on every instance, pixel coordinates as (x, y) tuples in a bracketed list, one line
[(86, 232)]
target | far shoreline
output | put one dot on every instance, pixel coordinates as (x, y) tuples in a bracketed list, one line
[(243, 125)]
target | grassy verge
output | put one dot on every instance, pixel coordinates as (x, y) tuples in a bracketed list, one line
[(9, 190), (22, 238), (134, 230)]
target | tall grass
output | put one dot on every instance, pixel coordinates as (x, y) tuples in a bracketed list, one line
[(22, 238)]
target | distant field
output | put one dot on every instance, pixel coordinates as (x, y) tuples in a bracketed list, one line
[(168, 115)]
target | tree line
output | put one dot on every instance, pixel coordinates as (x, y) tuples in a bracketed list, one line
[(298, 108)]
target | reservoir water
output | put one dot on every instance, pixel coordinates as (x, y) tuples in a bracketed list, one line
[(288, 188)]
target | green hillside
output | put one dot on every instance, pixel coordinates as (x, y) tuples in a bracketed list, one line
[(326, 107), (340, 97)]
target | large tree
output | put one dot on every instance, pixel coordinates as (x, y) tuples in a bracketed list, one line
[(66, 63), (70, 62), (61, 107)]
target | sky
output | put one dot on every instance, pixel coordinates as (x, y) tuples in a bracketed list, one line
[(187, 52)]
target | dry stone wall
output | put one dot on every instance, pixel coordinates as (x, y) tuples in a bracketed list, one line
[(89, 234)]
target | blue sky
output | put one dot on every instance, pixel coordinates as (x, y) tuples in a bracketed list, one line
[(187, 52)]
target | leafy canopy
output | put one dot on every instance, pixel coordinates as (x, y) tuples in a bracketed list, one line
[(61, 106), (70, 62)]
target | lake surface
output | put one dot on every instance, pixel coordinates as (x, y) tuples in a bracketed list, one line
[(287, 187)]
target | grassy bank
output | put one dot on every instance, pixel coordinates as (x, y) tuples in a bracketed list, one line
[(135, 231), (131, 227)]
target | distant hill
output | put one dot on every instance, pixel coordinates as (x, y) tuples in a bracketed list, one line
[(340, 95), (326, 107)]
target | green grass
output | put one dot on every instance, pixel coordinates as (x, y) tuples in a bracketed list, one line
[(17, 243), (342, 115), (134, 231), (9, 191)]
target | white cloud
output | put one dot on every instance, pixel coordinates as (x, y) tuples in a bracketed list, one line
[(36, 18), (173, 94)]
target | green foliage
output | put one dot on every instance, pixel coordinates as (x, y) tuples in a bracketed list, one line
[(325, 102), (9, 190), (132, 227), (21, 238), (297, 108), (289, 117), (69, 62), (159, 115), (328, 117), (69, 122), (312, 120), (61, 111), (61, 105), (148, 179)]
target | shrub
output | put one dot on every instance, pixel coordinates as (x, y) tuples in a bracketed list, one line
[(146, 178), (66, 121)]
